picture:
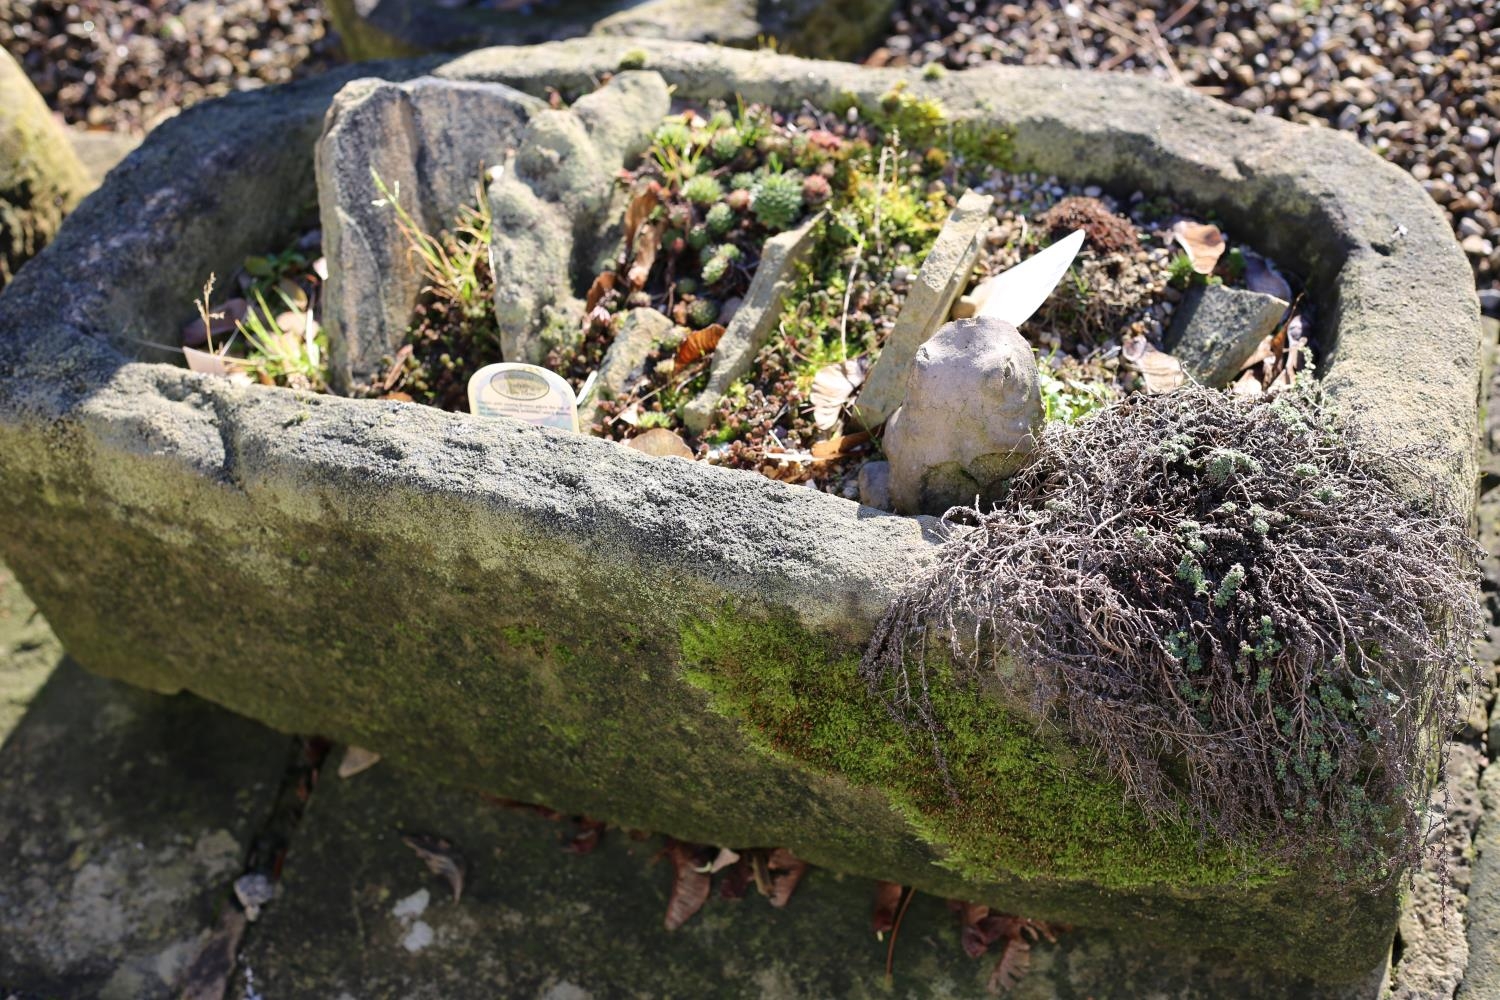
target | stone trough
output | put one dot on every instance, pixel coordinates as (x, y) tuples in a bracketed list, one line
[(657, 643)]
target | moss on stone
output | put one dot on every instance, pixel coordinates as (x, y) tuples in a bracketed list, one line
[(1020, 802)]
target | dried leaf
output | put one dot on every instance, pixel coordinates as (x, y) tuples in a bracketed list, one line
[(1202, 242), (641, 206), (831, 388), (1014, 963), (398, 366), (978, 931), (699, 343), (887, 901), (643, 257), (603, 285), (1161, 371), (1248, 386), (786, 871), (441, 858), (587, 837), (735, 881), (207, 975), (211, 364), (1262, 351), (690, 886), (357, 759), (839, 444), (662, 443), (399, 397), (1261, 276)]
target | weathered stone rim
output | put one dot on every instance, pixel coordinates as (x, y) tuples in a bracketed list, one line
[(1359, 249)]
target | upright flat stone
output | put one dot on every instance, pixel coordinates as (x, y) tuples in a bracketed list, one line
[(550, 200), (639, 333), (1217, 328), (754, 321), (940, 281), (124, 818), (430, 141)]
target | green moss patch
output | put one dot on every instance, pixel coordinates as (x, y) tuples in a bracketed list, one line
[(1020, 803)]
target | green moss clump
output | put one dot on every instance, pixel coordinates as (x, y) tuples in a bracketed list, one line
[(1019, 803)]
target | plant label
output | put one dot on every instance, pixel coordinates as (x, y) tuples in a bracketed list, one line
[(523, 392), (1015, 294)]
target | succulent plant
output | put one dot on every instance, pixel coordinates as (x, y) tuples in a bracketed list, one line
[(738, 200), (720, 119), (714, 269), (673, 134), (728, 251), (686, 286), (720, 219), (777, 200), (744, 180), (725, 145), (698, 237), (702, 312), (816, 190), (703, 190)]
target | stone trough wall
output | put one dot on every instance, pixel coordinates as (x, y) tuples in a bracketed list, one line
[(557, 619)]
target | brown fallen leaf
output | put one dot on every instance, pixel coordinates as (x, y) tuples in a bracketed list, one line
[(887, 902), (839, 444), (662, 443), (1248, 386), (207, 975), (643, 257), (1203, 243), (602, 286), (735, 881), (1015, 962), (699, 343), (357, 759), (399, 397), (690, 885), (832, 387), (208, 363), (1160, 371), (786, 871), (642, 204), (441, 858), (587, 837), (398, 367)]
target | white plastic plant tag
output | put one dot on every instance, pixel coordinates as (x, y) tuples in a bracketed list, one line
[(523, 392), (1015, 294)]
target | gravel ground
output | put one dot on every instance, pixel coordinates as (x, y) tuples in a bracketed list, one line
[(1416, 81), (126, 65)]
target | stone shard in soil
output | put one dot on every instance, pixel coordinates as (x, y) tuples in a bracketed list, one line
[(754, 321), (553, 198), (430, 141), (938, 284), (1218, 328), (972, 411), (640, 331)]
